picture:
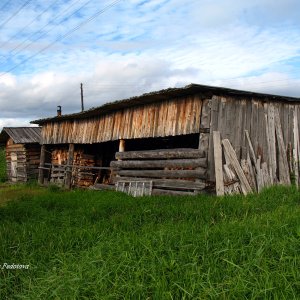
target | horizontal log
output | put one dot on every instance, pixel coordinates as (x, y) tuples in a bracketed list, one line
[(142, 164), (161, 154), (200, 173), (158, 192), (167, 183), (101, 186)]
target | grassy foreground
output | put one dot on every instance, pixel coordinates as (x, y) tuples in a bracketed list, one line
[(106, 245)]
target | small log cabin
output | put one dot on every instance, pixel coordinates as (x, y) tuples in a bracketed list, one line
[(165, 137), (22, 145)]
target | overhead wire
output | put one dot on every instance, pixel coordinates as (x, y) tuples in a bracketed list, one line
[(14, 14), (99, 12), (28, 24), (40, 30)]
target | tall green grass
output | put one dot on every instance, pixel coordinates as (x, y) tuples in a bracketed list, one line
[(106, 245), (2, 165)]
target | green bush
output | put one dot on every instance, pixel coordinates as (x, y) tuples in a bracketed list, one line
[(2, 165)]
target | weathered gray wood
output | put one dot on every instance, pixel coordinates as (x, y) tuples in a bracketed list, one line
[(201, 173), (284, 175), (213, 126), (251, 173), (231, 183), (175, 163), (266, 175), (68, 178), (268, 149), (218, 163), (296, 148), (234, 162), (42, 164), (161, 154), (259, 175), (174, 183), (251, 150), (272, 141), (158, 192), (246, 169)]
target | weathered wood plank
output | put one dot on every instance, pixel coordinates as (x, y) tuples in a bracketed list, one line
[(218, 163), (284, 175), (201, 173), (161, 154), (175, 163), (234, 162)]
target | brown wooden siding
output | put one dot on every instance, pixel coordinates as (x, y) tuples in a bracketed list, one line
[(168, 118)]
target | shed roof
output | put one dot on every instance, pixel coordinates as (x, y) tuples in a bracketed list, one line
[(164, 95), (21, 135)]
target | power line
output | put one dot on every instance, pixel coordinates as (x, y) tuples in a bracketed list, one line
[(45, 26), (26, 26), (99, 12), (15, 13)]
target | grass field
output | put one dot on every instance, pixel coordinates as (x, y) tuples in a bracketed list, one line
[(106, 245)]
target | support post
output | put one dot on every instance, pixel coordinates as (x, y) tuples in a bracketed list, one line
[(122, 145), (42, 164), (69, 168)]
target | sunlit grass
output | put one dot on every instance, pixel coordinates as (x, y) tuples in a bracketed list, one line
[(106, 245)]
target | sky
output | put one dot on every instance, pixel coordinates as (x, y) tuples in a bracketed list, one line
[(123, 48)]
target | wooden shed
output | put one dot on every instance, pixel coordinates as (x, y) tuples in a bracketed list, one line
[(22, 145), (165, 139)]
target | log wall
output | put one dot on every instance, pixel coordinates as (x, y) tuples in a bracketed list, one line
[(172, 171), (26, 164)]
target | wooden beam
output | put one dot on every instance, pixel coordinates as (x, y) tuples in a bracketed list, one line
[(122, 145), (68, 177), (175, 163), (161, 154), (218, 163), (42, 164), (235, 164), (201, 173)]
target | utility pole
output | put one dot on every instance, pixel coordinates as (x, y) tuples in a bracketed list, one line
[(81, 89)]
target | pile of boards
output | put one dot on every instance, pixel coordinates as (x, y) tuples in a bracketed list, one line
[(279, 166)]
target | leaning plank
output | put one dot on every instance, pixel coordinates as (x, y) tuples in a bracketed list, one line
[(284, 175), (231, 184), (161, 154), (246, 188), (152, 164), (218, 163), (251, 173), (252, 153), (201, 173), (246, 169)]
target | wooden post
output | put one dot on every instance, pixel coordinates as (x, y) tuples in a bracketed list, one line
[(218, 163), (122, 145), (42, 164), (69, 168)]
